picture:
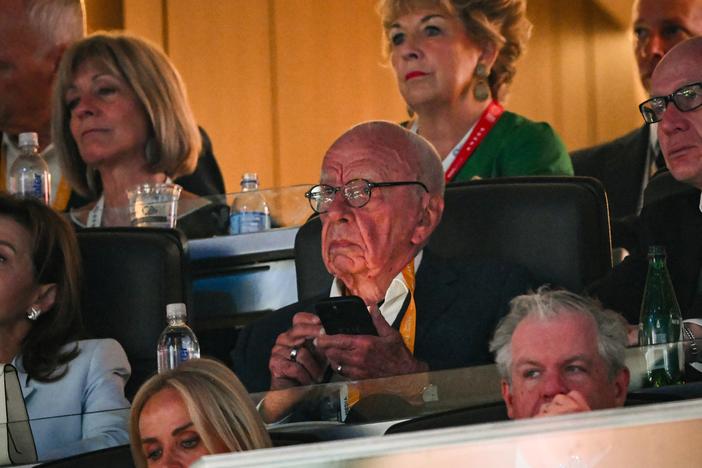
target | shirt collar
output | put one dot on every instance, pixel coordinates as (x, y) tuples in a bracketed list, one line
[(394, 296), (451, 157)]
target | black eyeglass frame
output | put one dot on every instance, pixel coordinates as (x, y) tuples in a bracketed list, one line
[(667, 100), (371, 185)]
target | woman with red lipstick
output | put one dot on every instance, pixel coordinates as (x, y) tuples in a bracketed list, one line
[(453, 60), (122, 119)]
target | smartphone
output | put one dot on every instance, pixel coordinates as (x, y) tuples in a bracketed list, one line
[(347, 315)]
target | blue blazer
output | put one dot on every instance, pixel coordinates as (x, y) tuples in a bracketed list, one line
[(86, 409)]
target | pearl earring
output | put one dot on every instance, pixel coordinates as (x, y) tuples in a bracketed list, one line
[(34, 313)]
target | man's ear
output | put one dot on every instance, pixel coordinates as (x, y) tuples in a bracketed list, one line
[(432, 208), (45, 296), (54, 56), (621, 386), (506, 391)]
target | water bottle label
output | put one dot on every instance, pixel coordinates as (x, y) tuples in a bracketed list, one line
[(38, 186), (249, 221), (184, 352)]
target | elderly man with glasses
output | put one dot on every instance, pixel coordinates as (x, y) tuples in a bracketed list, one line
[(380, 199), (674, 222), (625, 165)]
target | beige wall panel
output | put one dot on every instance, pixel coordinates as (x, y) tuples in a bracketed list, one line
[(275, 82), (330, 75), (578, 74), (223, 53), (576, 109), (145, 18), (104, 14), (533, 91)]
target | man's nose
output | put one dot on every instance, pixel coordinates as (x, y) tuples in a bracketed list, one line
[(672, 120), (339, 208), (552, 385), (655, 47)]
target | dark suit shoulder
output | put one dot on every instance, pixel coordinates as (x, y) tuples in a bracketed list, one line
[(623, 143), (592, 161), (207, 178), (459, 303)]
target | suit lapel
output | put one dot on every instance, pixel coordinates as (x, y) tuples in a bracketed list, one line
[(690, 249), (25, 382), (625, 171), (436, 291)]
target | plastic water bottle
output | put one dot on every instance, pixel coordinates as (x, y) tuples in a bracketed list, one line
[(177, 342), (29, 175), (250, 212)]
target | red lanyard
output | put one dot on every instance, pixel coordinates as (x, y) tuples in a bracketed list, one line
[(487, 120)]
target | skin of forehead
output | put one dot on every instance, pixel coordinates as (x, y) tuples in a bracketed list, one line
[(353, 150), (587, 324), (679, 67)]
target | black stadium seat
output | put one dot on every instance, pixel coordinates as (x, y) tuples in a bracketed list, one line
[(114, 457), (557, 227), (130, 275)]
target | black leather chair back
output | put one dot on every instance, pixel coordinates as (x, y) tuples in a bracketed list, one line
[(113, 457), (130, 275), (557, 227)]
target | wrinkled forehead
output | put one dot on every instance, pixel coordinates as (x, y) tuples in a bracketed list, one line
[(356, 158)]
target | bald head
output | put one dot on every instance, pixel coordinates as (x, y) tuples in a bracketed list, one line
[(680, 131), (415, 156)]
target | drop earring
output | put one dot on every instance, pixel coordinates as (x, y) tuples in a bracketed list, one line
[(34, 313), (481, 90)]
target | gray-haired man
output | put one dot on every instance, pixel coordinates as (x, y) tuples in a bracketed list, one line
[(560, 353)]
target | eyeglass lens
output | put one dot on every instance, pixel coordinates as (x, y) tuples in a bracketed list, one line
[(685, 99)]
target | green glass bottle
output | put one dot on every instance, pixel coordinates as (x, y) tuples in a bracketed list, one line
[(660, 327)]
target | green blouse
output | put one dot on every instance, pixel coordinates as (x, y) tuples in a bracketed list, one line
[(517, 146)]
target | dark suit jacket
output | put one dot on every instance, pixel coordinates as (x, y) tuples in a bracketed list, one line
[(458, 307), (620, 166), (674, 222)]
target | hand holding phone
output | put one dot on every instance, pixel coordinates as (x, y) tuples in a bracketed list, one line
[(347, 315)]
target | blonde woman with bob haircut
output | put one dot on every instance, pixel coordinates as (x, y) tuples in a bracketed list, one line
[(454, 61), (198, 409), (121, 118)]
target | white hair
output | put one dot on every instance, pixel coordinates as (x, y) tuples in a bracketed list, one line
[(57, 22), (546, 304)]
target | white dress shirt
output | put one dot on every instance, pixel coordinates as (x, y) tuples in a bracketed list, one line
[(394, 297)]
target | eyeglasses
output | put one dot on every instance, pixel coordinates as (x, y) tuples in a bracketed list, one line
[(686, 99), (357, 193)]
